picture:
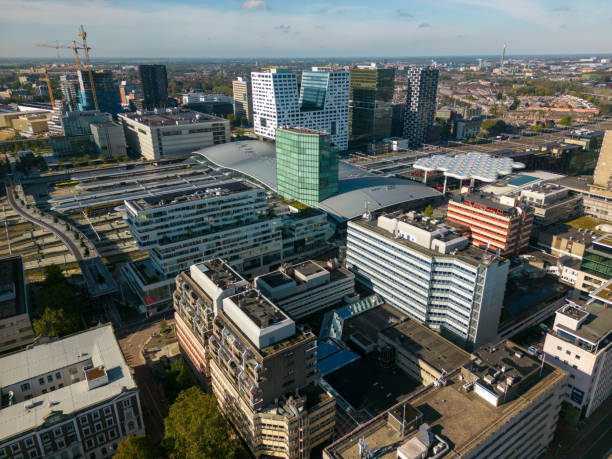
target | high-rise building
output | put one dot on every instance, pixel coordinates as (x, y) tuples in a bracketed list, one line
[(306, 165), (75, 397), (154, 81), (70, 92), (262, 367), (370, 112), (107, 92), (493, 225), (602, 177), (109, 138), (79, 123), (173, 132), (15, 326), (420, 103), (243, 99), (581, 344), (431, 273), (321, 104), (228, 219)]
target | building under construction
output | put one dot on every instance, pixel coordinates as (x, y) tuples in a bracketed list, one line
[(106, 91)]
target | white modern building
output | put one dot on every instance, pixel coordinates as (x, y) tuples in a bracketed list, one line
[(431, 273), (581, 344), (230, 220), (173, 132), (322, 102), (199, 97), (68, 398), (307, 287)]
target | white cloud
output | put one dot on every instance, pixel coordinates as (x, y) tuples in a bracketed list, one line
[(254, 4)]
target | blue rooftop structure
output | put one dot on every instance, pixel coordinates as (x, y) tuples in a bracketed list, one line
[(336, 361)]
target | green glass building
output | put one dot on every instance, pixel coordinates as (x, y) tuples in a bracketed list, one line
[(306, 165), (597, 259), (370, 109)]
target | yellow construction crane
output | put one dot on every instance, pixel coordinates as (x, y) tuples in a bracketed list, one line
[(86, 48), (46, 71), (74, 46)]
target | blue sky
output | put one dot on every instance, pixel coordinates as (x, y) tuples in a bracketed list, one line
[(290, 28)]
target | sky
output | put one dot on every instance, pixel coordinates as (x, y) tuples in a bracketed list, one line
[(299, 28)]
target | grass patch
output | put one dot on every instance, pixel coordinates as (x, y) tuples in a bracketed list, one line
[(586, 222)]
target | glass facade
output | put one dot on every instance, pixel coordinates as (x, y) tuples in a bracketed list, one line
[(598, 261), (314, 88), (306, 165), (107, 92), (370, 110)]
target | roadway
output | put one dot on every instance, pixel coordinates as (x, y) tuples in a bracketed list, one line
[(62, 236)]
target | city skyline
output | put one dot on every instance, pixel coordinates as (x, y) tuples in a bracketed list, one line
[(277, 29)]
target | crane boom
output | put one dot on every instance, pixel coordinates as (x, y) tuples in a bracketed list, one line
[(83, 36)]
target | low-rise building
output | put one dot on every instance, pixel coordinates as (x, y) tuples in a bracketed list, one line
[(15, 326), (562, 240), (307, 287), (581, 344), (173, 132), (492, 224), (467, 129), (503, 402), (262, 367), (32, 123), (430, 272), (109, 139), (70, 397), (79, 123), (551, 203)]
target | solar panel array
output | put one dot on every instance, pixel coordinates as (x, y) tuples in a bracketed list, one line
[(472, 165)]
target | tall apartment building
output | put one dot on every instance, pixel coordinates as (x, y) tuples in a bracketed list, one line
[(306, 165), (107, 92), (70, 92), (305, 288), (431, 273), (172, 132), (502, 403), (15, 326), (420, 104), (493, 225), (370, 101), (154, 82), (262, 367), (581, 344), (321, 104), (109, 138), (230, 220), (602, 177), (74, 398), (243, 99)]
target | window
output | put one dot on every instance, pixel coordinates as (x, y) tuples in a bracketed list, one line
[(577, 357), (112, 434), (83, 420), (32, 454), (45, 438), (44, 391), (15, 448), (568, 352), (52, 388), (559, 348), (95, 415), (58, 433), (108, 410), (49, 378), (29, 442), (41, 381), (89, 443), (127, 403), (86, 431), (60, 385), (60, 443), (110, 422), (70, 428), (101, 438), (25, 387), (98, 426), (58, 375)]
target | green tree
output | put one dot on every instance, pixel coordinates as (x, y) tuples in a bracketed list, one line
[(493, 127), (565, 121), (195, 428), (137, 448), (56, 322), (178, 378), (428, 211)]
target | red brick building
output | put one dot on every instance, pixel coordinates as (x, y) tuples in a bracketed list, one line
[(492, 224)]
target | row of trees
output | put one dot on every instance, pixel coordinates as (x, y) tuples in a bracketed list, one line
[(193, 429)]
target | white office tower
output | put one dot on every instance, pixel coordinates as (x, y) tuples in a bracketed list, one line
[(321, 104), (430, 272), (581, 344)]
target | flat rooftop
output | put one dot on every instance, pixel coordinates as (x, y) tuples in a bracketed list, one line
[(98, 278), (258, 308), (605, 241), (598, 324), (470, 254), (566, 231), (172, 117), (97, 346), (13, 296), (221, 273), (195, 194), (426, 345), (461, 418), (303, 130), (484, 199)]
